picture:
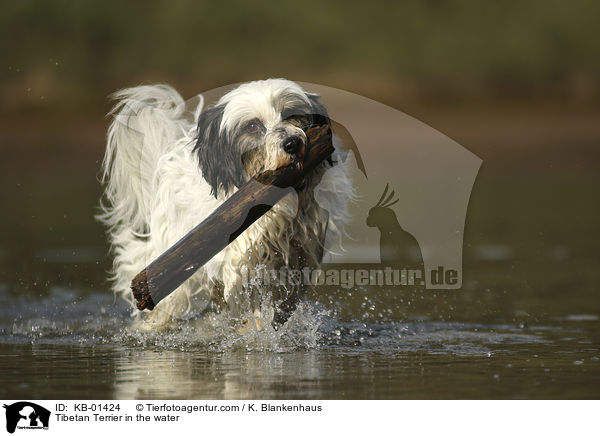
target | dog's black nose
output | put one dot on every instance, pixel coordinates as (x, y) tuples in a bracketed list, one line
[(292, 144)]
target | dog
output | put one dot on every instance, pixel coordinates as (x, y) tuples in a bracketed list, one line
[(168, 166)]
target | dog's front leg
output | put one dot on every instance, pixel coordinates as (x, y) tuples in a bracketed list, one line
[(243, 301)]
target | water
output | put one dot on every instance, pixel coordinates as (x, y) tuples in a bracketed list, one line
[(81, 345)]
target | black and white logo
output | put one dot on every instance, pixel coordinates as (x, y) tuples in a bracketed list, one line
[(26, 415)]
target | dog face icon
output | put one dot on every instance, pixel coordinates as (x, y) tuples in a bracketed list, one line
[(27, 414)]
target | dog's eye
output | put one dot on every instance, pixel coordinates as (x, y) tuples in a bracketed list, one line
[(253, 127)]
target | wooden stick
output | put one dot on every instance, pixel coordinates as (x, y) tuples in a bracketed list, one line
[(226, 223)]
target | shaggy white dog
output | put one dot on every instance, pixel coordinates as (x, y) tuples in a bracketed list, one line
[(167, 168)]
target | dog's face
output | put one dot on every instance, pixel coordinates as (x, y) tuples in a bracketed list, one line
[(256, 127)]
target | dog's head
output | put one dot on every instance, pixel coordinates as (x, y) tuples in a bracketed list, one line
[(256, 127)]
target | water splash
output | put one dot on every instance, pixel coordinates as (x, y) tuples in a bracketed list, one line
[(67, 317), (218, 332)]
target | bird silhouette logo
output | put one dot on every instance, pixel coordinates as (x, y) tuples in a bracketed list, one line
[(397, 247)]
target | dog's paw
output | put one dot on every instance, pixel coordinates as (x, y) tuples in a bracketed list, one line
[(253, 323)]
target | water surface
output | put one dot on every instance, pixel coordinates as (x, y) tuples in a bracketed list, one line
[(70, 345)]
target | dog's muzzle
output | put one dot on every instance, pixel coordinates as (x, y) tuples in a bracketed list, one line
[(295, 146)]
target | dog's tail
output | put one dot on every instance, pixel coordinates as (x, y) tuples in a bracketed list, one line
[(147, 121)]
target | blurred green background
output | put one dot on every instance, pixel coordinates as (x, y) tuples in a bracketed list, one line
[(515, 82), (77, 52)]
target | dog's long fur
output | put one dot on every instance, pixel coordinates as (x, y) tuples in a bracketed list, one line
[(166, 169)]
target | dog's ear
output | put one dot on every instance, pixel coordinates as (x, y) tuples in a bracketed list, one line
[(219, 161), (319, 111), (346, 141)]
